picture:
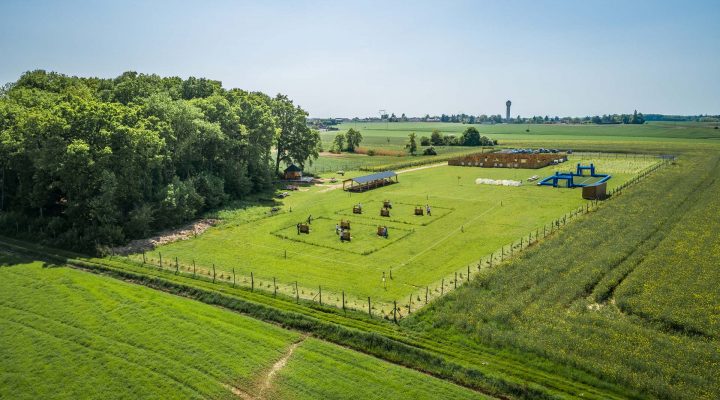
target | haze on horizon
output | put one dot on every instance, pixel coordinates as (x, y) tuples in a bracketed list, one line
[(353, 59)]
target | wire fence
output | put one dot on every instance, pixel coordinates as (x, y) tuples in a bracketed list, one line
[(395, 310)]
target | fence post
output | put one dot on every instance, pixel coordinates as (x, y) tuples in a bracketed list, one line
[(274, 287), (410, 305), (177, 269), (442, 287), (427, 289), (252, 280), (455, 281), (297, 293), (343, 300), (233, 276), (320, 293), (213, 272), (468, 273), (160, 254), (143, 258), (394, 311), (193, 268), (369, 308)]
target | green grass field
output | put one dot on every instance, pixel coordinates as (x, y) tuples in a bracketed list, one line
[(67, 334), (422, 253), (619, 303), (628, 294)]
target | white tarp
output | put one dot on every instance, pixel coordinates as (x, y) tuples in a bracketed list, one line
[(500, 182)]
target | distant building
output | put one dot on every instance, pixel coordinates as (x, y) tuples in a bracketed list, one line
[(507, 110)]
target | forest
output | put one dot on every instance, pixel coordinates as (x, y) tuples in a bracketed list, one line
[(86, 163)]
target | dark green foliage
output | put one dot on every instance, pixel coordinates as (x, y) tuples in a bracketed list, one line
[(86, 162), (353, 139), (470, 137)]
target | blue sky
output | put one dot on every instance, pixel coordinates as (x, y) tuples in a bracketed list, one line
[(338, 58)]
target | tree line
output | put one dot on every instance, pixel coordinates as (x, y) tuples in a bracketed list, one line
[(470, 137), (90, 162)]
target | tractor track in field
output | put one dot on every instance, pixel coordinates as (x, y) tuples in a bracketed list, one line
[(279, 365)]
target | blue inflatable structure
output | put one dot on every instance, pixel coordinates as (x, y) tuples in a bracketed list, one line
[(569, 178)]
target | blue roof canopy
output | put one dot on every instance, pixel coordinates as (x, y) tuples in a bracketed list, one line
[(374, 177)]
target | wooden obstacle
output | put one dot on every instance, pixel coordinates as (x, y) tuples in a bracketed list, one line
[(418, 210), (345, 236), (303, 228), (384, 212), (357, 209), (387, 204), (382, 231), (344, 224)]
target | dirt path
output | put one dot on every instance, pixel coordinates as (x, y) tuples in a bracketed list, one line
[(240, 393), (267, 379), (168, 236), (402, 171), (280, 364)]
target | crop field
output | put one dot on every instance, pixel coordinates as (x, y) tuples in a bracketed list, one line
[(423, 255), (640, 308), (655, 137), (104, 338), (683, 292)]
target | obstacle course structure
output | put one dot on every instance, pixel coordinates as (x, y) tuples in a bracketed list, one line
[(569, 177)]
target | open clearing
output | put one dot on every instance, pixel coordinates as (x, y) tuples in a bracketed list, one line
[(422, 252)]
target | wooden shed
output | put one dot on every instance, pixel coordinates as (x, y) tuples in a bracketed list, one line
[(293, 173), (595, 192)]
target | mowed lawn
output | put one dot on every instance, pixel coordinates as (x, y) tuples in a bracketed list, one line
[(67, 334), (469, 223)]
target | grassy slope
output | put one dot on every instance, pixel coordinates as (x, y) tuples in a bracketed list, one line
[(422, 250), (69, 334), (544, 301)]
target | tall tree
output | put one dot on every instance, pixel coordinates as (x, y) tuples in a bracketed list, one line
[(353, 139), (411, 145), (339, 142), (471, 137), (296, 142), (436, 138)]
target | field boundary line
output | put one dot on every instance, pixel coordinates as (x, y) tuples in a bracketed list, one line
[(454, 231)]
